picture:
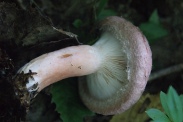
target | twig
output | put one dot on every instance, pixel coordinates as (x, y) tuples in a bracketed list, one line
[(167, 71), (48, 43), (71, 35)]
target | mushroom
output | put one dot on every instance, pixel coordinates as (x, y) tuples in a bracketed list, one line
[(114, 70)]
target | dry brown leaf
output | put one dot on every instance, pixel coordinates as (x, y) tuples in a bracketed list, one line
[(137, 112)]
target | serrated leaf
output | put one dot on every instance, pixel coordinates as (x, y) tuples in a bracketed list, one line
[(163, 99), (157, 115), (174, 105), (178, 105), (68, 104)]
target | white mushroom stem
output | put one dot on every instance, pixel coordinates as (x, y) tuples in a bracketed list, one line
[(68, 62)]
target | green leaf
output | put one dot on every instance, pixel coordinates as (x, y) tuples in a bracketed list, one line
[(181, 98), (163, 99), (174, 105), (105, 13), (77, 23), (154, 18), (68, 104), (101, 6), (152, 29), (157, 115), (102, 12)]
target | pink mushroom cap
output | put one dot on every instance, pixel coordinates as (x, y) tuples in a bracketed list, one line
[(126, 66)]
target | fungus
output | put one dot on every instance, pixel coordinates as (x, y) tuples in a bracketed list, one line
[(114, 70)]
